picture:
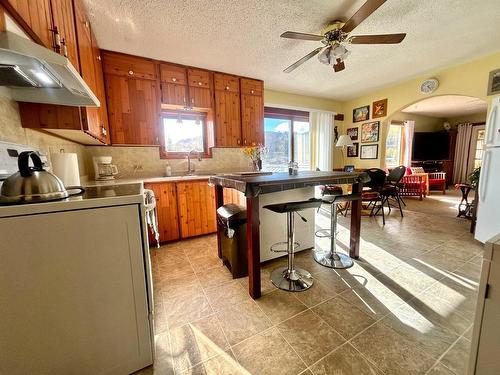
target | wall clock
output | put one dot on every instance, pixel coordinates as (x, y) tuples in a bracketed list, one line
[(429, 85)]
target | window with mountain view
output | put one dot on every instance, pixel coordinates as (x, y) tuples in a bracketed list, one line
[(287, 138), (183, 132)]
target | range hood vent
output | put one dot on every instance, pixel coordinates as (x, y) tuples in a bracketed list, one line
[(36, 74)]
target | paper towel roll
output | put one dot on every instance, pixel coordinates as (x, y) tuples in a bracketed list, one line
[(65, 166)]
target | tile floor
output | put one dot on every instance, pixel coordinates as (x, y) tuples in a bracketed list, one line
[(406, 307)]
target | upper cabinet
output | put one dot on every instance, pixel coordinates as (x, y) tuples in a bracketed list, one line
[(200, 88), (64, 30), (133, 99), (252, 111), (227, 111)]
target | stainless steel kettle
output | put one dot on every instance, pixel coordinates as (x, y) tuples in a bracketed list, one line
[(33, 184)]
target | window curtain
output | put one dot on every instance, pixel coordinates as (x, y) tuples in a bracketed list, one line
[(460, 166), (409, 130), (322, 125)]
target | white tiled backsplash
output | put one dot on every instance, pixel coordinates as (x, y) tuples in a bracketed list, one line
[(131, 161)]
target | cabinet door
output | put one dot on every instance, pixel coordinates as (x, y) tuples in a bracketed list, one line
[(227, 119), (104, 135), (173, 84), (128, 66), (226, 82), (252, 119), (166, 207), (49, 116), (64, 20), (36, 14), (133, 110), (200, 88), (196, 207)]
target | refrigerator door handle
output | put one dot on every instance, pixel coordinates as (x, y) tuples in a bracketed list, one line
[(491, 124), (483, 180)]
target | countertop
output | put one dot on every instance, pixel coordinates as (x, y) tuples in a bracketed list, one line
[(252, 186), (138, 180)]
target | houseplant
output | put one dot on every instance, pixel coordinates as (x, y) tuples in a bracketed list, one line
[(474, 177), (255, 153)]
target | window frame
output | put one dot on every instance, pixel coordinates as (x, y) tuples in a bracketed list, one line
[(401, 144), (291, 115), (164, 153)]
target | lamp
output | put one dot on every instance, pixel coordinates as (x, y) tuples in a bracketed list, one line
[(344, 141)]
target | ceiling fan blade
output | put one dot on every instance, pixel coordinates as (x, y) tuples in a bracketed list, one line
[(377, 39), (301, 36), (297, 63), (364, 12)]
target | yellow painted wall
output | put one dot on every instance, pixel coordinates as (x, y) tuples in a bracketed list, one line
[(477, 117), (422, 123), (469, 79), (283, 99)]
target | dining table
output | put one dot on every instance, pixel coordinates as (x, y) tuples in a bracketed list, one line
[(253, 186)]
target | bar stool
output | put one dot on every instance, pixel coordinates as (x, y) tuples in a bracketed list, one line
[(331, 258), (291, 278)]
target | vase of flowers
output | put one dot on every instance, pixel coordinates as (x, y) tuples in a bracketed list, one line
[(474, 177), (255, 153)]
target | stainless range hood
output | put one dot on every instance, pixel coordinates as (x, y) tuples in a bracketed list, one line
[(36, 74)]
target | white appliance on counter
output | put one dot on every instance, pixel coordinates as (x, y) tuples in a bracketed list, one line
[(75, 284), (485, 346), (103, 168), (488, 213)]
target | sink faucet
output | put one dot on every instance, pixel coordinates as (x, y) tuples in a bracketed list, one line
[(191, 171)]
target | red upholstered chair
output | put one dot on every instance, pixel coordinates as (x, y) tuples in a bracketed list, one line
[(438, 179)]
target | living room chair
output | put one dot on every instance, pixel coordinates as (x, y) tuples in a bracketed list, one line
[(373, 195), (392, 187), (438, 179)]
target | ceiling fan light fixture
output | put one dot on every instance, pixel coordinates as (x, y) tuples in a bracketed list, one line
[(324, 55), (339, 65)]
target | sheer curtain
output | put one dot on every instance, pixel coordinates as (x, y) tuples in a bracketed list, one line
[(460, 166), (409, 130), (321, 124)]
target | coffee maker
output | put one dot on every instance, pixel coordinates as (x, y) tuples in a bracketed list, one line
[(104, 170)]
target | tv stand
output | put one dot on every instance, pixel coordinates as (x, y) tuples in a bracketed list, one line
[(430, 166)]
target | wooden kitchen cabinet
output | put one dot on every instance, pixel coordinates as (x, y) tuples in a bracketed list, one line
[(196, 208), (123, 65), (252, 112), (173, 84), (64, 22), (37, 16), (166, 203), (133, 110), (227, 111), (200, 88)]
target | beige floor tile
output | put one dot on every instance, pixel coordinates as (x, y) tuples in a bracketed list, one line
[(182, 310), (457, 358), (175, 270), (310, 336), (182, 286), (242, 320), (332, 280), (268, 353), (266, 286), (440, 369), (163, 361), (224, 364), (316, 294), (409, 278), (214, 276), (196, 342), (391, 352), (345, 318), (414, 326), (470, 273), (440, 261), (280, 305), (344, 361), (226, 295), (204, 263)]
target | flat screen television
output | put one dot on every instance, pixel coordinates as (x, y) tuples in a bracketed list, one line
[(430, 146)]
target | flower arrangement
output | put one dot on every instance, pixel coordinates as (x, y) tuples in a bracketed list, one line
[(255, 153), (474, 177)]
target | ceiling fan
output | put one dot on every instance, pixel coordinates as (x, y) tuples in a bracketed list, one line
[(336, 36)]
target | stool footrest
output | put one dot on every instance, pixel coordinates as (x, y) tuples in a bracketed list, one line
[(282, 247)]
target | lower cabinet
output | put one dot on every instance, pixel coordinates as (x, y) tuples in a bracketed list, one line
[(185, 209)]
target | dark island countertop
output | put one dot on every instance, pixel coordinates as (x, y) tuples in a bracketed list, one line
[(253, 185)]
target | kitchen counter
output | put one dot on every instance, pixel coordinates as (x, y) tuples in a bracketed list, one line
[(132, 180)]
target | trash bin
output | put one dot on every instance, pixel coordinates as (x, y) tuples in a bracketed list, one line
[(232, 224)]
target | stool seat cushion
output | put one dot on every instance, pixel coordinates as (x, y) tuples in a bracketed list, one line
[(341, 198), (331, 190), (294, 206), (370, 195)]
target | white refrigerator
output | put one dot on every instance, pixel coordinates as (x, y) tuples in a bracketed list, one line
[(488, 214)]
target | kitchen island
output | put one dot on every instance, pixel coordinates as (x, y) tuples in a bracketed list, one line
[(253, 186)]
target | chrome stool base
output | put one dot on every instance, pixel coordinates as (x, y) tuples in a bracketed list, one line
[(297, 280), (333, 260)]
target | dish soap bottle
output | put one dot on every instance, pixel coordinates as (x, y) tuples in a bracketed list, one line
[(168, 170)]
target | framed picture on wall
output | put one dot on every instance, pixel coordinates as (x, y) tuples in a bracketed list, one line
[(369, 152), (494, 82), (353, 151), (379, 108), (361, 114), (370, 131), (353, 133)]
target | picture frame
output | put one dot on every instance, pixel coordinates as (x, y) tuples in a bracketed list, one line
[(369, 152), (361, 113), (379, 108), (494, 82), (353, 133), (370, 132), (353, 151), (349, 168)]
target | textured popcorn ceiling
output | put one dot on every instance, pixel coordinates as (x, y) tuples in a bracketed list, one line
[(447, 106), (242, 37)]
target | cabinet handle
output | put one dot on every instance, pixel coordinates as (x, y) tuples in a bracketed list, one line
[(200, 83), (239, 142), (227, 88), (57, 38), (192, 100), (98, 57), (64, 47), (104, 131), (184, 100), (174, 79), (131, 72), (86, 24), (252, 91), (245, 142)]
